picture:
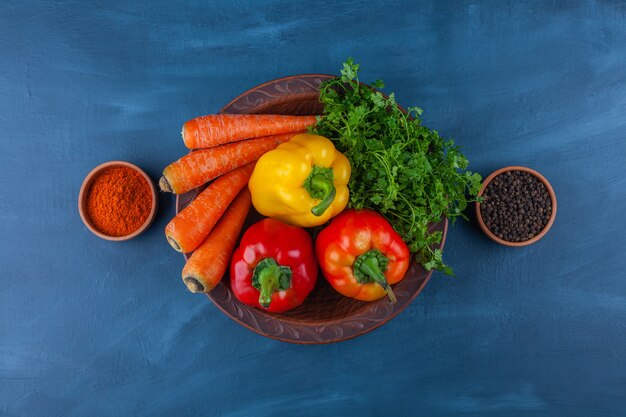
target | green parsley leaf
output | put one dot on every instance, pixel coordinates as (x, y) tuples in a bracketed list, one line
[(400, 168)]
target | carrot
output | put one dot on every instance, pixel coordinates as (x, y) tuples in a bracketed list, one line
[(218, 129), (199, 167), (190, 227), (207, 265)]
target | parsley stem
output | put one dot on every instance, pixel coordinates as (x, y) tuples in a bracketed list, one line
[(400, 168)]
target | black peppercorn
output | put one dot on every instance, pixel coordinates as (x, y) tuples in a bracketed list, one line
[(516, 206)]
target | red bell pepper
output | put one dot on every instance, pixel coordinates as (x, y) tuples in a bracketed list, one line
[(274, 267), (361, 255)]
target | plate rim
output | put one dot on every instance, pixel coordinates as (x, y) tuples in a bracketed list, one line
[(343, 337)]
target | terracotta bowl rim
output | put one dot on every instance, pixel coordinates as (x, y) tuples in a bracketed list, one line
[(82, 197), (543, 231)]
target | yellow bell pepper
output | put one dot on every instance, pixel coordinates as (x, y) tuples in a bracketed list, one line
[(303, 182)]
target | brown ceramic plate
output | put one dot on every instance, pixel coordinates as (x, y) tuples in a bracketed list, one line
[(326, 316)]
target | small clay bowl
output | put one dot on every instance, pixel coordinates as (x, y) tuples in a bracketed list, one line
[(543, 231), (82, 200)]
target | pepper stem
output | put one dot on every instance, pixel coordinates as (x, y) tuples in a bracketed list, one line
[(368, 264), (320, 185), (269, 282), (328, 188), (269, 277)]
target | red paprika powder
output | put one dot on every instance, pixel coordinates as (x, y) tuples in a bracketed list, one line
[(119, 201)]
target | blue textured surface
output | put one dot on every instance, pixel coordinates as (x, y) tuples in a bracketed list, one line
[(94, 328)]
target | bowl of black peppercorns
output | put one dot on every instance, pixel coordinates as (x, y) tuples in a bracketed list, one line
[(517, 206)]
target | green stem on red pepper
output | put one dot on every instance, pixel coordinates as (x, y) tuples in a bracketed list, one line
[(269, 277), (369, 267)]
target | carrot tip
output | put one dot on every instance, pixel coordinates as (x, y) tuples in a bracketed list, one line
[(164, 184), (182, 135), (174, 244), (193, 284)]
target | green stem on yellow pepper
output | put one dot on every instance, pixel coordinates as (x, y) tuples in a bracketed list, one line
[(320, 185), (328, 188)]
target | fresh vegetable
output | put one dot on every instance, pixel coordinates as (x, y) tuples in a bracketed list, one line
[(361, 255), (400, 168), (190, 227), (274, 267), (207, 265), (218, 129), (302, 182), (199, 167)]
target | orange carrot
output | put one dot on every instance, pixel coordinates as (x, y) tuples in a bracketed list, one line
[(207, 265), (218, 129), (190, 227), (199, 167)]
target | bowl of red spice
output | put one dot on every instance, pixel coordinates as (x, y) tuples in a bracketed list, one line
[(517, 207), (117, 201)]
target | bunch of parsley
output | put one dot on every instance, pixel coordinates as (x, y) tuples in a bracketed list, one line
[(400, 168)]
